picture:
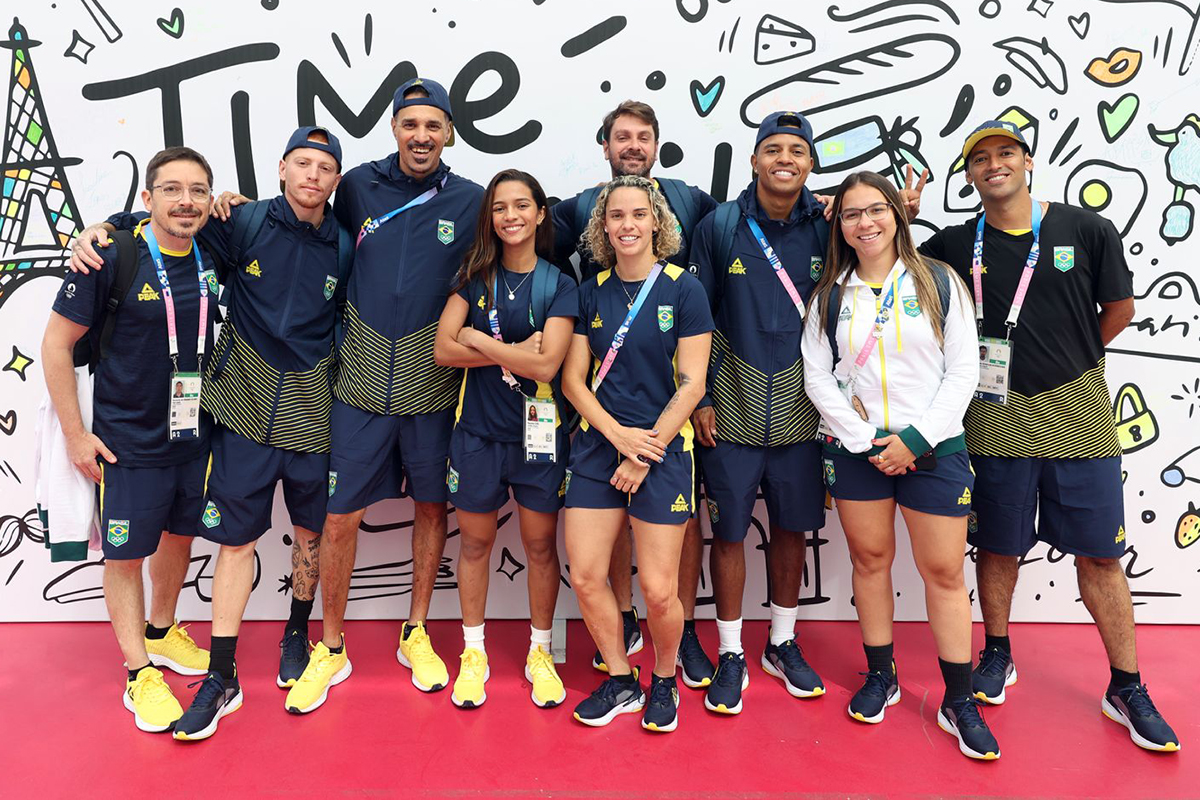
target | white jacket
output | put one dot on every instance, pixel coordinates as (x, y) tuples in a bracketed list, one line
[(66, 498), (909, 380)]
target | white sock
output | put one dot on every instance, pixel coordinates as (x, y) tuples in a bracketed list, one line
[(783, 624), (730, 632), (539, 638), (473, 637)]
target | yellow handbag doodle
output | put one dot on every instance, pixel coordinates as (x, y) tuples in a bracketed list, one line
[(1136, 426)]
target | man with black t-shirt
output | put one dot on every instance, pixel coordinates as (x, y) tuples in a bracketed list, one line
[(1040, 430)]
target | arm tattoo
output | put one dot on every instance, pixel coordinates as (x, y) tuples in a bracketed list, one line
[(684, 380)]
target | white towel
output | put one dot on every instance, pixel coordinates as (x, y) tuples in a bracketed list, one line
[(66, 498)]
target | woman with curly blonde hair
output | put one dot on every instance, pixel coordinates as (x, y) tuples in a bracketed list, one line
[(635, 371)]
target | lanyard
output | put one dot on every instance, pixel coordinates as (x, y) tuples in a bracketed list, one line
[(169, 300), (1014, 310), (493, 318), (776, 265), (372, 225), (881, 318), (619, 338)]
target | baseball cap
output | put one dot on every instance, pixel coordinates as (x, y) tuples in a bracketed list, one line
[(438, 98), (994, 127), (792, 122), (300, 139)]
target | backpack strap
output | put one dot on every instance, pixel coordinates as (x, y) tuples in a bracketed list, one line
[(725, 222), (246, 227), (941, 278), (127, 264), (545, 284), (584, 203), (831, 321), (679, 197)]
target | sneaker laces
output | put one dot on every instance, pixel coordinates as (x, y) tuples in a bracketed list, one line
[(152, 688), (968, 713), (607, 692), (294, 647), (690, 642), (993, 662), (1137, 697), (212, 689), (791, 655), (875, 685), (541, 665), (474, 664), (728, 672), (660, 694), (420, 648), (180, 632), (318, 667)]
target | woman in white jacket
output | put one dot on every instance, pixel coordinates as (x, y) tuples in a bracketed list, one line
[(891, 361)]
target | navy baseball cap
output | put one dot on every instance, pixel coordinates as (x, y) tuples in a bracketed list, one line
[(438, 98), (300, 139), (792, 122), (994, 127)]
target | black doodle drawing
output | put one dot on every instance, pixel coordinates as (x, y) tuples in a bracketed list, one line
[(1080, 24), (509, 567), (704, 98), (84, 582), (1183, 171), (79, 48), (1063, 140), (989, 9), (890, 6), (1190, 395), (8, 422), (103, 21), (1104, 187), (1191, 49), (1166, 322), (594, 36), (173, 25), (960, 112), (870, 144), (859, 76), (1185, 468), (732, 35), (14, 529), (777, 39), (394, 579), (1036, 61), (1041, 7)]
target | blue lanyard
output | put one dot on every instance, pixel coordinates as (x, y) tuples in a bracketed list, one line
[(1018, 302), (372, 225), (493, 317), (881, 318), (776, 265), (619, 339), (169, 300)]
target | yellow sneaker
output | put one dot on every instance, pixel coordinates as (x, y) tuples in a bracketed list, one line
[(324, 669), (178, 652), (416, 652), (472, 675), (548, 690), (154, 707)]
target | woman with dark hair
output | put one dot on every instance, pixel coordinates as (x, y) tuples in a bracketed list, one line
[(508, 323), (635, 372), (891, 363)]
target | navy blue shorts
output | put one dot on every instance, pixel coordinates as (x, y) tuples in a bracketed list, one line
[(790, 479), (138, 503), (944, 490), (666, 496), (241, 487), (482, 471), (377, 457), (1078, 503)]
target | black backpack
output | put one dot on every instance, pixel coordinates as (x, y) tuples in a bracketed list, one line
[(248, 224), (94, 346)]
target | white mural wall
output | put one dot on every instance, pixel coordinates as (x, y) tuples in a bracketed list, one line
[(1107, 92)]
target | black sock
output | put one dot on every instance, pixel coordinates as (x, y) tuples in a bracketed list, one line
[(628, 677), (689, 625), (301, 611), (958, 680), (879, 659), (997, 642), (630, 615), (156, 633), (406, 631), (337, 651), (221, 656), (133, 673), (1122, 679)]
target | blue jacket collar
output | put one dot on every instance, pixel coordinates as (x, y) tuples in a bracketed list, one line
[(390, 168), (806, 206), (282, 211)]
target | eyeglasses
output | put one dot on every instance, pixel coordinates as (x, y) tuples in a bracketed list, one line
[(173, 191), (853, 216)]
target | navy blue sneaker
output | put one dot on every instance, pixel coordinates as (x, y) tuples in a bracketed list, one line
[(293, 658), (724, 694), (632, 632), (697, 669), (879, 690), (963, 720), (994, 673), (786, 662), (1132, 707), (662, 709), (611, 699), (215, 699)]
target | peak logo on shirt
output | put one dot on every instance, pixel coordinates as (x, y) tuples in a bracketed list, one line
[(680, 504), (482, 302), (845, 315), (148, 293), (965, 500), (1064, 258), (445, 231), (597, 322), (736, 268), (1120, 535), (253, 269)]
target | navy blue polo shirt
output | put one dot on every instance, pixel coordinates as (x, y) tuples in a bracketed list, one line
[(756, 374), (131, 395), (644, 376), (403, 272), (489, 408)]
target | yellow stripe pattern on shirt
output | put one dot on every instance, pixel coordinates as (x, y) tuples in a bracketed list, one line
[(745, 413)]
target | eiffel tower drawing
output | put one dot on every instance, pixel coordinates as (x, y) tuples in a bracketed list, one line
[(38, 214)]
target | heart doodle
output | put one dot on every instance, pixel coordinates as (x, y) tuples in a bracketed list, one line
[(1115, 119), (173, 27), (704, 98), (1081, 24), (8, 422)]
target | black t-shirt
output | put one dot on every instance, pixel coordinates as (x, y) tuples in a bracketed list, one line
[(132, 389), (1058, 404)]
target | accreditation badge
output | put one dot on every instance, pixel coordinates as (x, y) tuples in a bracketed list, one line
[(995, 359), (541, 429), (184, 391)]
